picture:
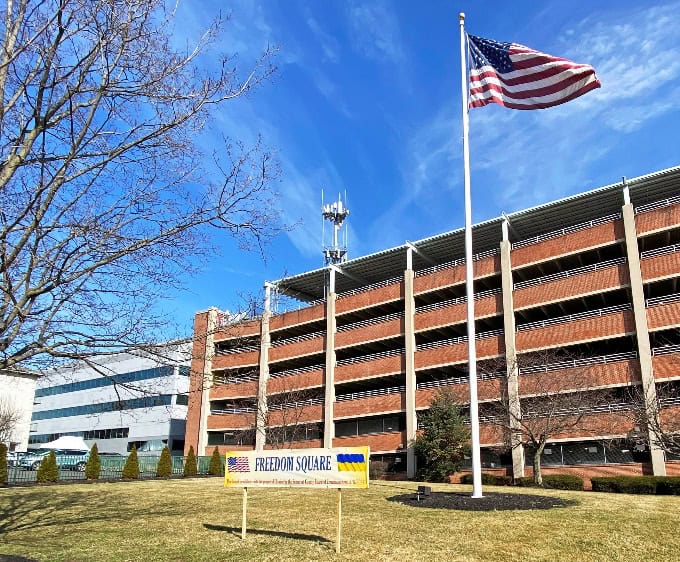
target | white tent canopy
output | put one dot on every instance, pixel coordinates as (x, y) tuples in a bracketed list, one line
[(67, 442)]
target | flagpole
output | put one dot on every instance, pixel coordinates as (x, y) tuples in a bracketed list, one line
[(469, 276)]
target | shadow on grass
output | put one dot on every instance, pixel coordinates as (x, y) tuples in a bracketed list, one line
[(266, 532), (27, 511)]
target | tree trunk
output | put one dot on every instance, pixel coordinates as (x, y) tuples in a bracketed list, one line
[(538, 477)]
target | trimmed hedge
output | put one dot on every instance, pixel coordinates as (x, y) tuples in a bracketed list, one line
[(668, 486), (655, 485), (554, 482), (488, 479)]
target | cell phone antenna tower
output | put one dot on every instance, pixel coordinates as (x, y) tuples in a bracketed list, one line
[(336, 212)]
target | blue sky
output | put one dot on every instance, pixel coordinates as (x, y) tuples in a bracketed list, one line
[(367, 99)]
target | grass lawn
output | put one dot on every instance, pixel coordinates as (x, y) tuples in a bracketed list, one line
[(198, 519)]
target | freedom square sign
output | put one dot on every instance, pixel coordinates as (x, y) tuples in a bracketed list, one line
[(342, 467)]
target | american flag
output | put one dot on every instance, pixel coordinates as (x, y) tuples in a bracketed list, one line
[(518, 77), (238, 464)]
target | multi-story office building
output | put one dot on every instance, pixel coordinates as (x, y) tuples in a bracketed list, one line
[(595, 275), (128, 398)]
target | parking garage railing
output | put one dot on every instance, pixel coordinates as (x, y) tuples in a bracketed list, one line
[(236, 379), (669, 401), (295, 339), (370, 357), (370, 287), (456, 262), (572, 317), (370, 393), (665, 299), (460, 339), (566, 230), (371, 321), (658, 204), (570, 273), (599, 360), (457, 300), (297, 371), (296, 404), (660, 251), (464, 379), (232, 410), (236, 349), (666, 350)]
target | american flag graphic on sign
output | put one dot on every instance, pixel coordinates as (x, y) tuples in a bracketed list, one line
[(238, 464)]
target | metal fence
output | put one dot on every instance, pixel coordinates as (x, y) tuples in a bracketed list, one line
[(70, 468)]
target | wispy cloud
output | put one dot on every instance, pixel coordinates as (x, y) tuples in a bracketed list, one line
[(428, 166), (329, 44), (638, 65), (375, 31), (326, 86), (329, 90)]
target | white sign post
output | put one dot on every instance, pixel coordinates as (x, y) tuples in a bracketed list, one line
[(337, 542), (244, 511)]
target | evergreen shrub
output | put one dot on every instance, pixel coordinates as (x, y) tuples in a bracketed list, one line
[(3, 465), (94, 465), (164, 467), (216, 467), (442, 445), (190, 468), (48, 471), (131, 468)]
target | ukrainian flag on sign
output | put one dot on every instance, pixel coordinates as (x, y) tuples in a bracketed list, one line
[(351, 462)]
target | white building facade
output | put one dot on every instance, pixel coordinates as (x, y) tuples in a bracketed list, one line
[(130, 398), (17, 391)]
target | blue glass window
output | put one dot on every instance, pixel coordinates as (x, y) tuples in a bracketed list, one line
[(87, 409), (102, 380)]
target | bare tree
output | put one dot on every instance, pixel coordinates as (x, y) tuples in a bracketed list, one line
[(557, 394), (106, 198), (656, 418), (285, 418), (10, 416)]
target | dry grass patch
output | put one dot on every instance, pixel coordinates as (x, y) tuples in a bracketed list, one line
[(199, 520)]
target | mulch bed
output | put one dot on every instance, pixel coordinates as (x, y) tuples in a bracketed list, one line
[(489, 502)]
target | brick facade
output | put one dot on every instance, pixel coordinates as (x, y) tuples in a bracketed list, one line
[(589, 309)]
